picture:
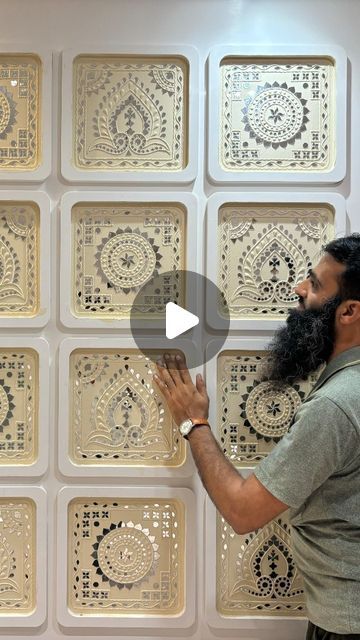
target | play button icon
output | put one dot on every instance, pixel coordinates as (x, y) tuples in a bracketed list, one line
[(178, 320), (171, 310)]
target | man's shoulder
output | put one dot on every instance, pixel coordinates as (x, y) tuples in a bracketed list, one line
[(342, 390)]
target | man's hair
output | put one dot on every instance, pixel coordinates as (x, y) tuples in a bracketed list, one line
[(347, 251)]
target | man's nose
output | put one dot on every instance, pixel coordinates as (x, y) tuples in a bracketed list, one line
[(301, 289)]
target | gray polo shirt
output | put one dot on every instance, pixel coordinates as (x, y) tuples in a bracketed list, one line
[(315, 469)]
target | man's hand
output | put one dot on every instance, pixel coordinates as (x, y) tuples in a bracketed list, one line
[(184, 398)]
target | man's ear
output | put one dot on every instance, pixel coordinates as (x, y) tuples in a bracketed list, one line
[(349, 311)]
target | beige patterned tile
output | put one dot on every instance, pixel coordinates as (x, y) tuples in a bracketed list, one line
[(116, 416), (251, 415), (126, 556), (19, 259), (264, 251), (117, 248), (20, 145), (17, 556), (256, 573), (131, 113), (277, 114), (19, 395)]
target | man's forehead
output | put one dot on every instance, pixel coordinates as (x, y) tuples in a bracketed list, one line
[(328, 268)]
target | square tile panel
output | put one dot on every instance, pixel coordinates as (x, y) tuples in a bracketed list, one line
[(117, 248), (19, 258), (126, 556), (116, 416), (20, 112), (256, 574), (251, 416), (19, 413), (277, 114), (130, 112), (17, 556), (260, 246)]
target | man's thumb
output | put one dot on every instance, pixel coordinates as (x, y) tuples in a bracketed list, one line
[(200, 384)]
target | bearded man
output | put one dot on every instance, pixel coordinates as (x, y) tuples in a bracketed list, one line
[(315, 469)]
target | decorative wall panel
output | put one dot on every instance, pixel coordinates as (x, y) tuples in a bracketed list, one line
[(279, 114), (251, 416), (256, 572), (18, 406), (265, 245), (19, 258), (130, 113), (265, 251), (120, 247), (18, 554), (117, 417), (20, 142), (129, 561)]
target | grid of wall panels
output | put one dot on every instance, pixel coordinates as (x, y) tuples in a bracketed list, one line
[(126, 553)]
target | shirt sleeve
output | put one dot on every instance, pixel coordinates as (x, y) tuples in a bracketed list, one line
[(321, 441)]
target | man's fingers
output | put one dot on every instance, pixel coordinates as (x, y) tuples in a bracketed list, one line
[(182, 367), (161, 384), (172, 368), (164, 375)]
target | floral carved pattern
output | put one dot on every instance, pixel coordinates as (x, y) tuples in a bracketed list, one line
[(17, 555), (252, 415), (277, 116), (256, 573), (130, 114), (19, 260), (126, 556), (118, 249), (265, 251), (117, 417), (20, 146)]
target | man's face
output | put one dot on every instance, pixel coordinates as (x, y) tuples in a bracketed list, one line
[(308, 339)]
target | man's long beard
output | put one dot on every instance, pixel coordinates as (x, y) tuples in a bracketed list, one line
[(306, 342)]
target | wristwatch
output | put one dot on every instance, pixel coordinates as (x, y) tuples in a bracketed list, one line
[(187, 425)]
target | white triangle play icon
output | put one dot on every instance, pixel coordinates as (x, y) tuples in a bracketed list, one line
[(178, 320)]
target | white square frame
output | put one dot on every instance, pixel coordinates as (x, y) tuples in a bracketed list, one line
[(217, 174), (39, 467), (38, 616), (42, 200), (217, 200), (265, 626), (183, 620), (184, 176), (189, 201), (69, 468), (45, 128)]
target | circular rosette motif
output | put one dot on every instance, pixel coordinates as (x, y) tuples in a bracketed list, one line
[(276, 116), (268, 411), (127, 258), (6, 405), (7, 113), (125, 554)]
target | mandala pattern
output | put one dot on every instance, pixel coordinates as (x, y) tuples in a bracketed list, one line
[(17, 556), (265, 251), (277, 116), (256, 573), (18, 406), (116, 415), (126, 556), (130, 114), (20, 146), (253, 416), (118, 248), (19, 260)]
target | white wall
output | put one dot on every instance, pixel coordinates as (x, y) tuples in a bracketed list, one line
[(58, 24)]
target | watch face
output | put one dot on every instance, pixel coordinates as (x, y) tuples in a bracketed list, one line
[(186, 427)]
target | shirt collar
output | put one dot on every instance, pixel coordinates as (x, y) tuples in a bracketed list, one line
[(346, 358)]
